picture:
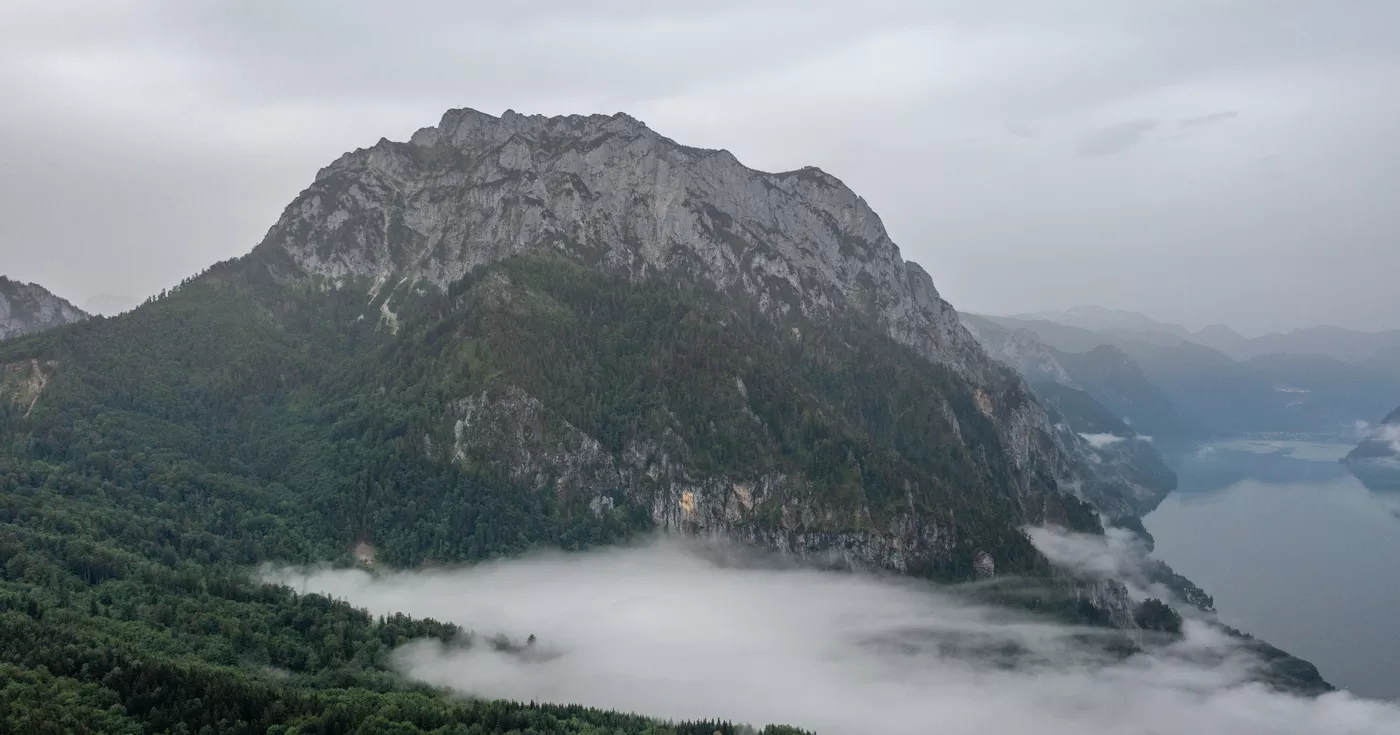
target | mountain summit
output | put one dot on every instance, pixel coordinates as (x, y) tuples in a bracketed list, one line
[(26, 308), (511, 334), (613, 194), (477, 189)]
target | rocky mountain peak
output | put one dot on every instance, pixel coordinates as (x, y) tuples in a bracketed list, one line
[(26, 308), (608, 190), (611, 193)]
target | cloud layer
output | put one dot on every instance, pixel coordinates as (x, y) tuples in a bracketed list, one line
[(679, 631)]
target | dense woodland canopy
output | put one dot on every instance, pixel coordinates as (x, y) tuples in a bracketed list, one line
[(149, 462)]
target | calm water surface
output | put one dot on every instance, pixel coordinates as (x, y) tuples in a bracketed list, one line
[(1295, 551)]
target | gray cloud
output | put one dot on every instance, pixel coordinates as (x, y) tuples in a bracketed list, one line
[(1115, 138), (671, 632), (147, 139)]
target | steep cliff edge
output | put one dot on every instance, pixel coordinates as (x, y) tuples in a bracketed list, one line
[(616, 195), (28, 308)]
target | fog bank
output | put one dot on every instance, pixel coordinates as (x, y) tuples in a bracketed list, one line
[(677, 630)]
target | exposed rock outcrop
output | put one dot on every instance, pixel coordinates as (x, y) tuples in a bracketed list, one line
[(609, 191), (27, 308)]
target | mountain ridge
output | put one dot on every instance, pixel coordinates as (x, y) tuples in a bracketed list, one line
[(1308, 393), (1347, 345), (1104, 371), (451, 355), (612, 192)]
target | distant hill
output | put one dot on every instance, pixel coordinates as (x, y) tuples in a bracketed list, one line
[(1117, 444), (1347, 345), (1386, 360), (1117, 381), (1100, 319), (1329, 388), (1219, 394), (1224, 339), (1343, 344), (1102, 371)]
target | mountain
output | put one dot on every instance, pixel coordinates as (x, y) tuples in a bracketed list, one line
[(1070, 385), (1376, 460), (1331, 390), (1115, 443), (1226, 340), (508, 333), (26, 308), (618, 197), (1217, 394), (1346, 345), (1103, 372), (1101, 319), (1115, 379), (1385, 360)]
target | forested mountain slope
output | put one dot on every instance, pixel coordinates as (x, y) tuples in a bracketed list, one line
[(613, 194), (511, 333), (149, 461)]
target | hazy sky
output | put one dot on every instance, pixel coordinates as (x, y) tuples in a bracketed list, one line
[(1198, 160)]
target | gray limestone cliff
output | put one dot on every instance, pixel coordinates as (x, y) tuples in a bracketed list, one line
[(609, 191), (28, 308)]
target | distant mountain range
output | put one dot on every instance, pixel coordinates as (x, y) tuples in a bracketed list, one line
[(1378, 350), (512, 333), (1181, 383), (1102, 372), (28, 308), (1100, 319)]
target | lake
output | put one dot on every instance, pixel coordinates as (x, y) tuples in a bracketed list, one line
[(1295, 551)]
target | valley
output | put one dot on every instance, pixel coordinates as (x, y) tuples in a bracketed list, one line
[(518, 335)]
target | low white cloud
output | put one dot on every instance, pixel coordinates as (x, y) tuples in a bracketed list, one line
[(676, 630), (1384, 433), (1099, 441), (1118, 554)]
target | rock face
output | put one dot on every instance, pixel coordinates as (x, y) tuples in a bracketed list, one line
[(1376, 460), (1103, 371), (616, 195), (27, 308), (1077, 387), (517, 431)]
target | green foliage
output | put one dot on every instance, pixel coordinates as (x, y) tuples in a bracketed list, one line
[(1081, 411), (236, 420), (1153, 614)]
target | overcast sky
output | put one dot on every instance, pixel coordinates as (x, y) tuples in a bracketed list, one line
[(1198, 160)]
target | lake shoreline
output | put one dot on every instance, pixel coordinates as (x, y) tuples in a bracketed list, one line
[(1294, 548)]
